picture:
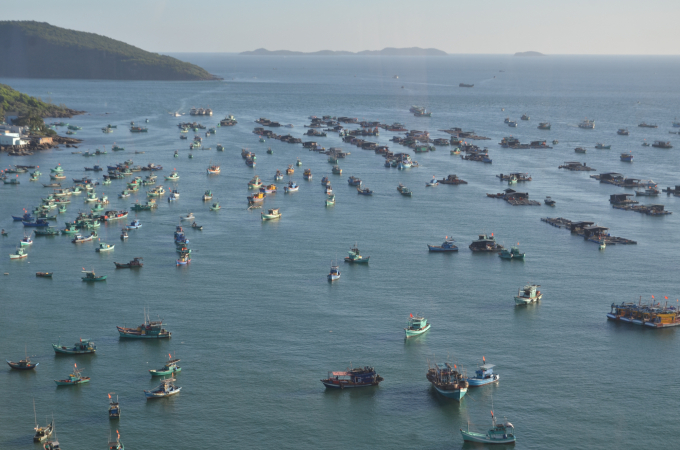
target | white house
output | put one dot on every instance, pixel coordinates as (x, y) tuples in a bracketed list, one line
[(11, 139)]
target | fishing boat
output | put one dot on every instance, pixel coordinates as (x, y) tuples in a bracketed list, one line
[(329, 189), (512, 124), (269, 150), (172, 177), (271, 214), (503, 433), (627, 157), (18, 254), (73, 379), (150, 329), (79, 238), (336, 170), (484, 375), (135, 224), (587, 124), (215, 206), (250, 162), (290, 170), (207, 195), (62, 209), (189, 216), (334, 274), (37, 223), (256, 197), (432, 182), (447, 246), (455, 151), (135, 263), (26, 240), (544, 126), (513, 253), (170, 368), (23, 364), (580, 150), (196, 226), (549, 201), (364, 191), (52, 445), (117, 445), (114, 215), (353, 378), (278, 176), (330, 200), (416, 326), (27, 217), (114, 407), (447, 381), (355, 256), (71, 228), (124, 234), (124, 194), (255, 183), (41, 433), (90, 276), (220, 147), (528, 294), (292, 187), (298, 162), (648, 192), (165, 389), (307, 174), (104, 248), (44, 274), (622, 132), (269, 189), (354, 181), (600, 146), (485, 243), (213, 169)]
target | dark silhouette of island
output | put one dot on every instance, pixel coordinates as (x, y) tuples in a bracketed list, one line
[(389, 51), (31, 49), (530, 53)]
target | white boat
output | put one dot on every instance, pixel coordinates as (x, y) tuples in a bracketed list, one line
[(588, 124), (189, 216), (292, 187), (503, 433), (271, 214), (334, 274), (432, 182), (165, 389), (528, 294)]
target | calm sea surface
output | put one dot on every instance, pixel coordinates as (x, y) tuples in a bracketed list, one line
[(253, 318)]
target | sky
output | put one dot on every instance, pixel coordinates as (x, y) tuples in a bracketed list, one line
[(604, 27)]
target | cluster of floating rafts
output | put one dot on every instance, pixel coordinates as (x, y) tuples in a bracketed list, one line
[(654, 315)]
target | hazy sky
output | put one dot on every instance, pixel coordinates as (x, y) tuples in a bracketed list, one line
[(481, 26)]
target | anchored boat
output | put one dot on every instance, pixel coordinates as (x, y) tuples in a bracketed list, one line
[(513, 253), (169, 368), (135, 263), (503, 433), (416, 326), (114, 407), (165, 389), (271, 214), (528, 294), (73, 379), (447, 246), (355, 256), (447, 381), (83, 346), (91, 277), (353, 378), (483, 375), (148, 330)]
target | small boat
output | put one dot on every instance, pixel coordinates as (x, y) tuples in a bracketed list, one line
[(189, 216), (447, 246), (484, 375), (269, 189), (124, 194), (290, 170), (255, 183), (256, 197), (365, 191), (603, 245), (184, 259), (104, 247), (416, 326), (587, 124), (512, 124), (330, 200), (447, 381), (91, 277), (524, 117), (549, 201), (307, 174), (622, 132), (62, 209), (455, 151), (544, 126), (44, 274), (135, 263), (124, 235), (79, 238), (329, 189), (73, 379), (292, 187), (37, 223), (170, 368), (196, 226), (355, 256), (334, 274), (114, 407), (600, 146), (117, 445), (220, 147), (25, 218), (52, 445), (354, 181), (513, 253), (336, 170), (298, 162), (208, 195), (135, 224), (353, 378), (213, 170), (172, 177), (71, 228), (165, 389), (528, 294), (432, 182), (627, 157), (269, 150), (26, 240), (499, 433), (278, 176), (23, 364), (580, 150), (215, 207), (271, 214), (649, 192), (646, 144), (18, 254), (150, 329), (250, 162), (42, 433)]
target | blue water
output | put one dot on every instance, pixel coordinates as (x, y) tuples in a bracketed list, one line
[(257, 325)]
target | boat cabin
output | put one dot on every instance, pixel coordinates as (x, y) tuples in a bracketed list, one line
[(618, 199), (485, 371)]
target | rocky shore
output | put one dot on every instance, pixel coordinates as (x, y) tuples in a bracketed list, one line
[(38, 144)]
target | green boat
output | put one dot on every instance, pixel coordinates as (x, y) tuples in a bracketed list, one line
[(337, 170), (148, 206), (513, 253), (416, 326), (172, 177), (330, 200), (270, 151), (71, 228), (103, 247), (215, 207), (106, 181), (49, 231), (81, 347), (90, 276), (76, 190), (169, 368), (97, 207), (117, 148), (73, 379), (355, 256)]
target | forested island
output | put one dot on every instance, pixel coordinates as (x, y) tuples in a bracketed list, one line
[(529, 53), (31, 49), (389, 51)]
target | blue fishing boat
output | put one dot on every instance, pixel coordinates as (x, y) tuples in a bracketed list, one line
[(81, 347), (354, 181), (135, 224), (25, 218), (483, 375), (625, 157), (114, 407), (150, 329), (365, 191), (169, 368), (447, 381), (353, 378), (165, 389), (334, 273), (117, 445), (416, 326), (447, 246), (37, 223), (292, 187)]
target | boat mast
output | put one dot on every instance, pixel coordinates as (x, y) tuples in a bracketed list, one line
[(35, 416)]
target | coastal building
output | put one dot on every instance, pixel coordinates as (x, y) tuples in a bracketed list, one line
[(13, 139)]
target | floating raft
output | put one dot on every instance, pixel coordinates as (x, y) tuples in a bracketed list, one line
[(576, 166), (588, 230)]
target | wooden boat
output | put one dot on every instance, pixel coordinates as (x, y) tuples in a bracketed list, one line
[(41, 433), (255, 183), (278, 176), (353, 378), (433, 182), (116, 445), (334, 274), (19, 254), (292, 187), (91, 277), (330, 200), (528, 294), (355, 256), (26, 240), (135, 224), (416, 326), (124, 235), (297, 163), (216, 206), (549, 201), (79, 239), (600, 146), (213, 170), (447, 381), (513, 253), (23, 364), (307, 174), (447, 246), (484, 375), (135, 263), (196, 226), (365, 191), (336, 170), (170, 368), (165, 389), (73, 379), (269, 189), (114, 407), (172, 177), (208, 195), (290, 170), (189, 216), (150, 329), (354, 181), (257, 197), (580, 150), (269, 150), (503, 433), (271, 214), (44, 274)]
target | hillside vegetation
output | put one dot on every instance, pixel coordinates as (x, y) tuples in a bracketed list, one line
[(39, 50), (30, 110)]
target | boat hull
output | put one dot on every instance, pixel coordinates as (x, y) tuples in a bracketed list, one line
[(72, 383), (151, 395), (137, 335), (455, 394), (526, 301), (362, 260), (469, 436), (412, 333), (70, 351), (437, 248), (482, 381), (18, 366), (160, 373)]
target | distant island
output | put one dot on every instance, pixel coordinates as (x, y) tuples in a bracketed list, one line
[(531, 53), (389, 51), (31, 49)]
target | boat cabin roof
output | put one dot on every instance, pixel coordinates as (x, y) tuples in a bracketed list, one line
[(487, 366)]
